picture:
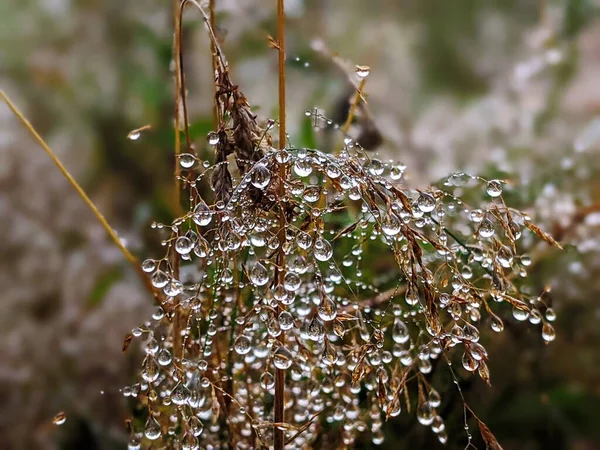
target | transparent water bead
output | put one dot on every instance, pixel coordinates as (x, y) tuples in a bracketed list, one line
[(486, 228), (425, 414), (261, 176), (184, 245), (282, 359), (202, 214), (213, 138), (362, 71), (59, 418), (504, 257), (303, 168), (267, 380), (149, 265), (242, 345), (187, 160), (323, 250), (548, 333), (376, 167), (390, 225), (494, 188), (149, 370), (180, 394), (400, 333), (189, 442), (426, 202), (259, 275), (286, 320), (152, 429), (159, 279), (327, 310)]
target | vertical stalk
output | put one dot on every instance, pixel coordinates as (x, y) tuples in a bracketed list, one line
[(279, 401), (213, 59), (180, 319)]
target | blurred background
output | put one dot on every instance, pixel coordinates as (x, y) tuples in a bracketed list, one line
[(507, 89)]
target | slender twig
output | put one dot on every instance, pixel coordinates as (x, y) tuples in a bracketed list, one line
[(113, 236), (279, 401), (176, 50), (358, 95), (180, 319), (213, 59)]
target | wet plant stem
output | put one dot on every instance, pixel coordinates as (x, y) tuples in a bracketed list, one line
[(279, 401), (180, 319), (213, 59), (109, 230)]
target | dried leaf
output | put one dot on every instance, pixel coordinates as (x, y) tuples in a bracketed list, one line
[(542, 234), (488, 437), (126, 342), (349, 229)]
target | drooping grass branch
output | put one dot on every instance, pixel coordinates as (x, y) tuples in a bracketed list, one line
[(132, 260)]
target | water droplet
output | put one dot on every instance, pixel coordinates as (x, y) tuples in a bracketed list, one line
[(189, 441), (376, 167), (327, 310), (291, 281), (242, 345), (159, 279), (312, 193), (282, 358), (202, 214), (261, 176), (426, 202), (550, 315), (196, 426), (180, 394), (520, 314), (391, 224), (286, 320), (486, 228), (213, 138), (149, 265), (184, 245), (134, 135), (259, 275), (362, 71), (396, 172), (494, 188), (315, 330), (469, 363), (187, 160), (152, 429), (400, 333), (304, 240), (434, 398), (497, 324), (267, 380), (164, 357), (60, 418), (437, 425), (322, 249), (548, 333), (303, 168), (504, 257), (149, 369), (425, 414)]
